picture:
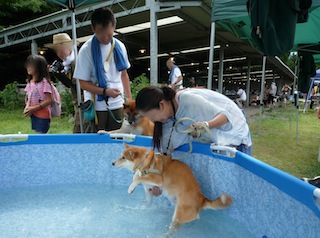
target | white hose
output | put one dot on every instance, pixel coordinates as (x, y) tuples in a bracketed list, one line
[(229, 151), (10, 137), (122, 136)]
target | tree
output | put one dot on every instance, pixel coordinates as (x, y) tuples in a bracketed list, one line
[(289, 59), (14, 12)]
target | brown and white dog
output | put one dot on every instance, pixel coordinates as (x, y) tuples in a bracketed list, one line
[(176, 180), (133, 122)]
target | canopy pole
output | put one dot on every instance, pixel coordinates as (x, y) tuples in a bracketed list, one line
[(211, 54), (296, 98), (248, 83), (221, 58), (153, 44), (75, 50), (34, 47), (262, 91)]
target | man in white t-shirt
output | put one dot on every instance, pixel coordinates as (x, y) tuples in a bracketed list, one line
[(108, 91), (175, 77), (242, 97)]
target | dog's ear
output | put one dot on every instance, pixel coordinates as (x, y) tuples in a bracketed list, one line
[(126, 145), (131, 153), (125, 105)]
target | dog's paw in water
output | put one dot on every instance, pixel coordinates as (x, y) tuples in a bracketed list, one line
[(131, 188), (102, 132)]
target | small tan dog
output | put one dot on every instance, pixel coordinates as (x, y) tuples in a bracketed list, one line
[(176, 180), (133, 122)]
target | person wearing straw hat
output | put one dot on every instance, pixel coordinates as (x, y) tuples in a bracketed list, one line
[(101, 68), (62, 45)]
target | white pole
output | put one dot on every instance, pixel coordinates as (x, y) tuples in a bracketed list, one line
[(34, 47), (74, 39), (153, 44), (220, 80), (296, 97), (262, 91), (211, 54), (248, 83)]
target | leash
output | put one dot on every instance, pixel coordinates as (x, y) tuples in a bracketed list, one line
[(199, 129), (112, 115), (151, 169), (114, 118)]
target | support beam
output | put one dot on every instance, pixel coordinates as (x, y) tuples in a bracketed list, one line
[(153, 43), (211, 54), (58, 22), (220, 80), (262, 91), (34, 48), (296, 97), (75, 50), (248, 84)]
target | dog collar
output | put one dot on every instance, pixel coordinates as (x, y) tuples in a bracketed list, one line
[(150, 170)]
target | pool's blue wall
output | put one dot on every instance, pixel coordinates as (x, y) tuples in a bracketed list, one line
[(263, 200)]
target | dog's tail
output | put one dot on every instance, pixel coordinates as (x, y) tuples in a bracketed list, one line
[(221, 202)]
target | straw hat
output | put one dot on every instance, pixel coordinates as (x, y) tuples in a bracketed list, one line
[(60, 39)]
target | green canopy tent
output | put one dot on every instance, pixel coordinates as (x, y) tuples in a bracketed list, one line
[(273, 26), (233, 16), (72, 5)]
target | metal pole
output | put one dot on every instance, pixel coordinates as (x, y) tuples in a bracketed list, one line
[(262, 91), (295, 73), (248, 83), (153, 44), (220, 80), (211, 54), (75, 50), (34, 47), (296, 96)]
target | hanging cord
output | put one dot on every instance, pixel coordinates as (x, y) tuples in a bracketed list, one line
[(114, 118), (111, 113), (173, 125)]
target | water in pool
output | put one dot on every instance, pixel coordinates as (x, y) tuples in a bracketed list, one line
[(100, 211)]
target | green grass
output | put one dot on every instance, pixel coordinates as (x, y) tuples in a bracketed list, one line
[(277, 142), (275, 146), (12, 122)]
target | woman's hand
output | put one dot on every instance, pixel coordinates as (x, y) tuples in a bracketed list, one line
[(194, 127)]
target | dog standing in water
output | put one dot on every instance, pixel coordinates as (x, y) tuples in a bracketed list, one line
[(133, 122), (176, 180)]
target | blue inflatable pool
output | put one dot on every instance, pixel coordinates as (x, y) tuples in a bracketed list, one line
[(267, 202)]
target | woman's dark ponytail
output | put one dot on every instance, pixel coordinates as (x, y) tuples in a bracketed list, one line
[(157, 135)]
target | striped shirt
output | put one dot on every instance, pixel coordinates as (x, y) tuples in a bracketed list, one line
[(36, 94)]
